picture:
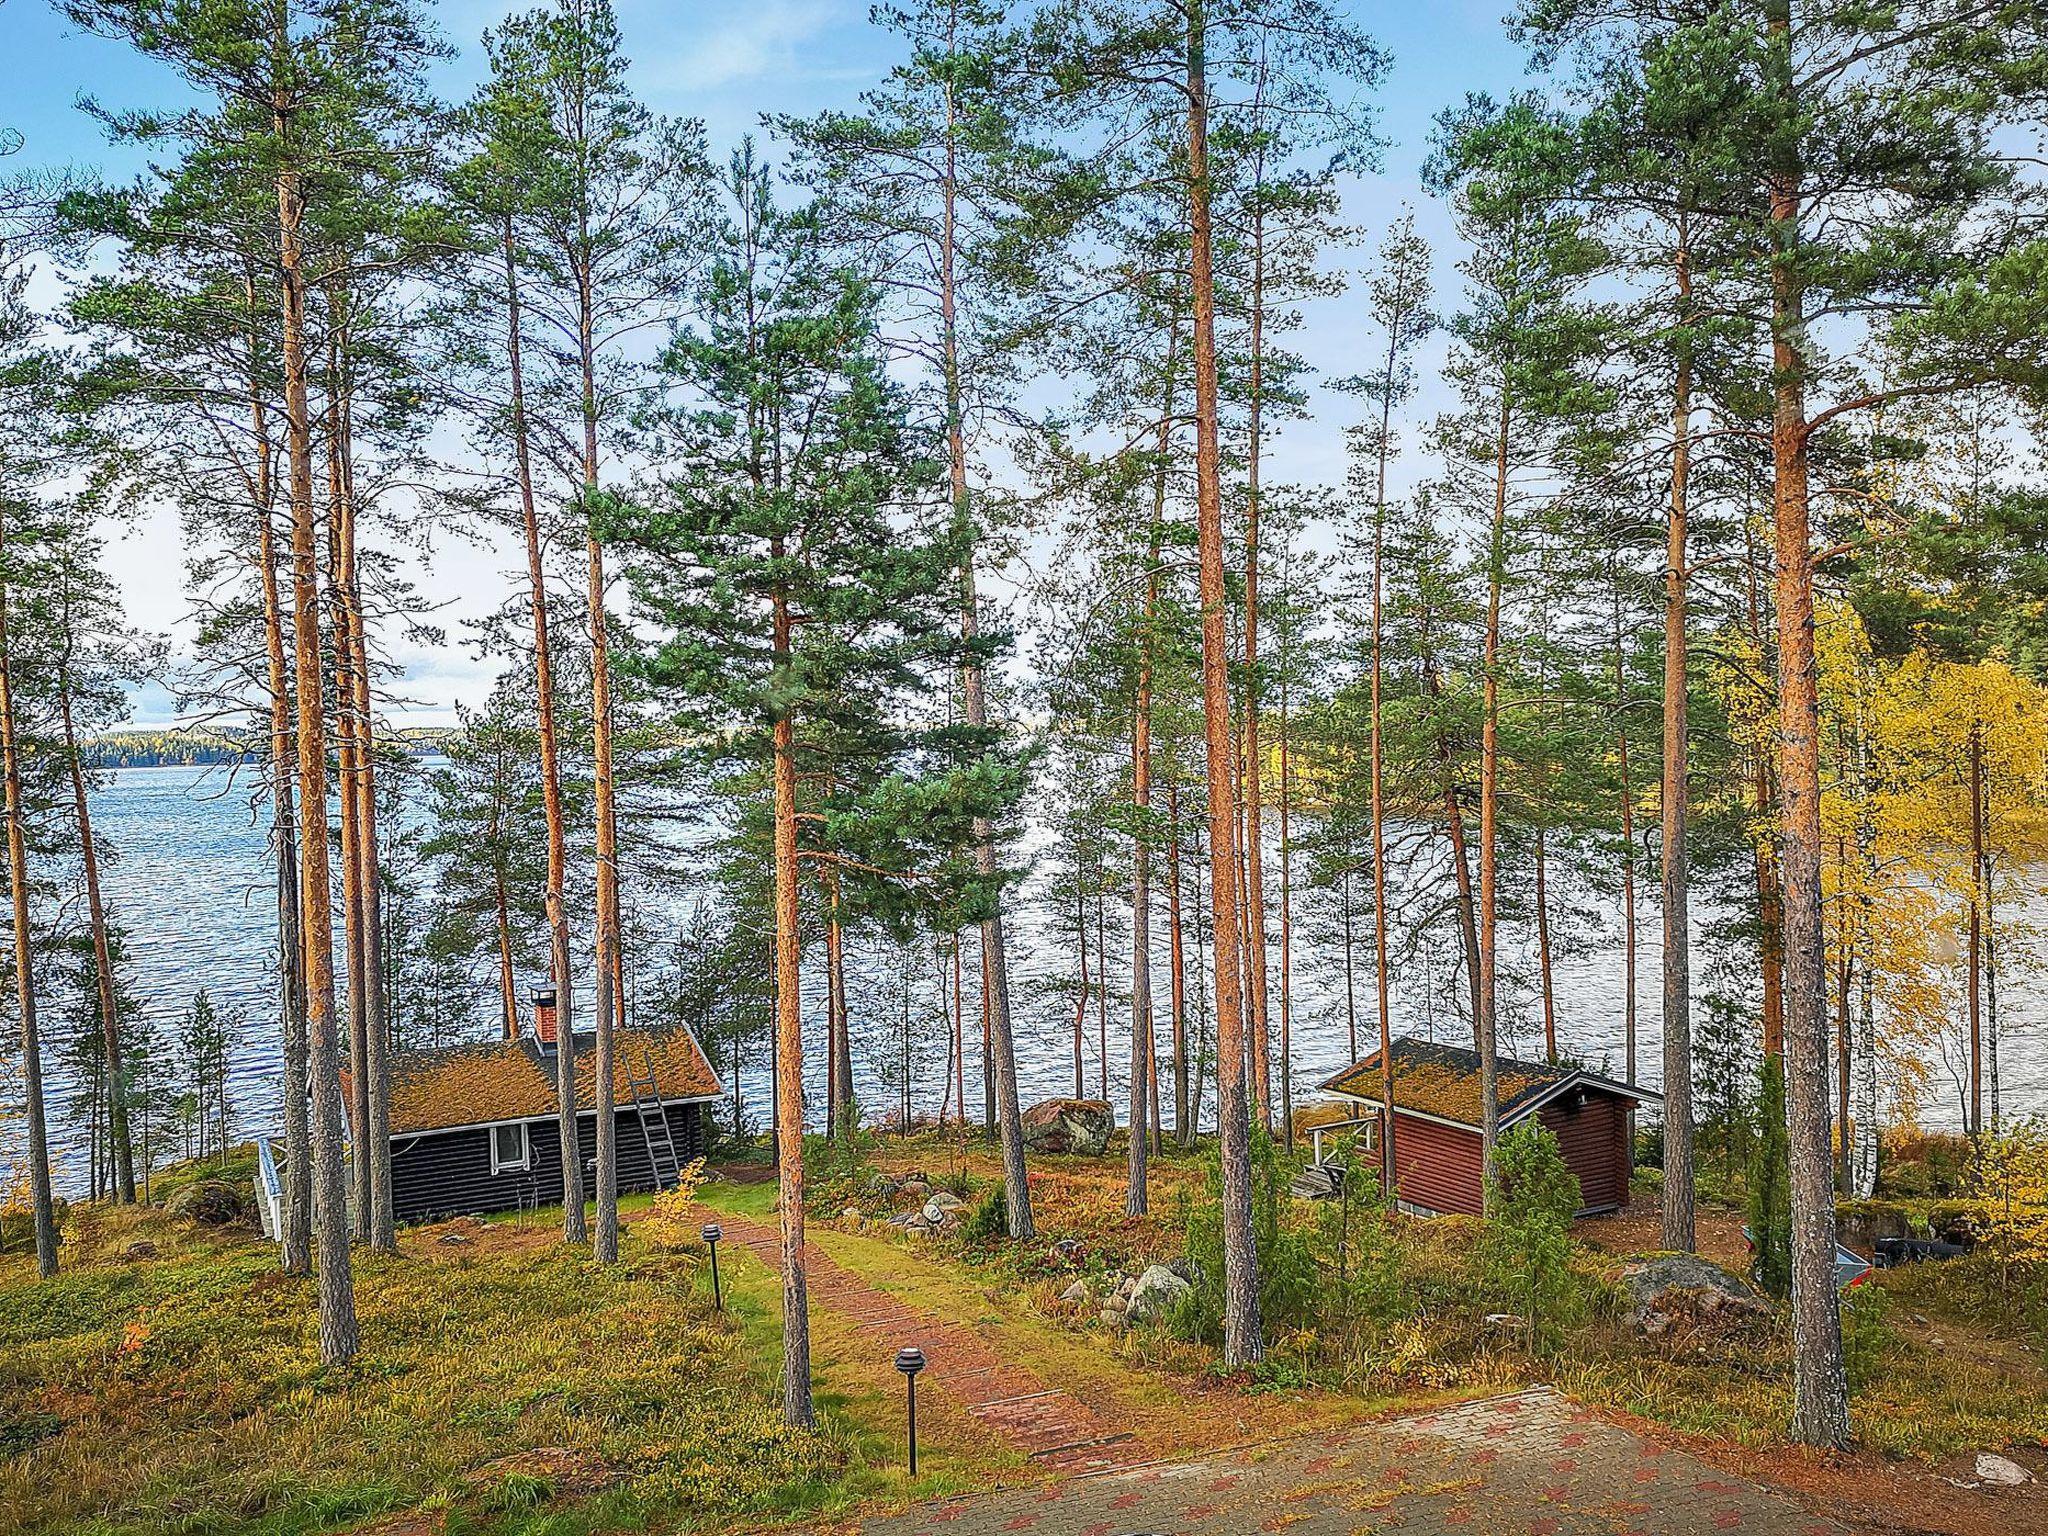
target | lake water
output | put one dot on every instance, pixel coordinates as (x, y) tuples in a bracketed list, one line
[(192, 888)]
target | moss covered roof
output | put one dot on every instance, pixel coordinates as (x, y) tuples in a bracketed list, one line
[(1443, 1080), (433, 1090)]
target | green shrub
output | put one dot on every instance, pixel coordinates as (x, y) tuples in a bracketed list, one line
[(1770, 1190), (1527, 1245), (837, 1168), (1866, 1334), (1355, 1246), (988, 1221), (1287, 1261)]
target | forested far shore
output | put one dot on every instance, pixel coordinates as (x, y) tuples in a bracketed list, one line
[(182, 747)]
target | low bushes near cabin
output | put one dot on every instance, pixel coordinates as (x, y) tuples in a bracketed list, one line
[(672, 1222), (1527, 1248)]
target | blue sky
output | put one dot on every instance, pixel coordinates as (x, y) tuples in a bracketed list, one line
[(728, 62)]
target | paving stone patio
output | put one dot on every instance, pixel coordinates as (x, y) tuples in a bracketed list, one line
[(1531, 1464)]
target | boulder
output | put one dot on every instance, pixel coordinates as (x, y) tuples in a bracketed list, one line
[(1678, 1293), (1153, 1294), (2000, 1471), (1865, 1224), (1081, 1127), (210, 1202), (1076, 1295)]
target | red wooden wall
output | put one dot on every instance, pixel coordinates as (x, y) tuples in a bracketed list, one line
[(1439, 1167)]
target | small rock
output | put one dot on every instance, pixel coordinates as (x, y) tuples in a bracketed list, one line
[(455, 1240), (1066, 1250), (1076, 1294), (916, 1187), (1919, 1321), (2000, 1472), (851, 1217), (140, 1249), (1154, 1293), (940, 1214), (946, 1200), (1506, 1322)]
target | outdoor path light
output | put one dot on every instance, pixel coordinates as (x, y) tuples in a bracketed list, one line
[(711, 1234), (910, 1361)]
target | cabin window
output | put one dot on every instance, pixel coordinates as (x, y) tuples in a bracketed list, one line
[(510, 1148)]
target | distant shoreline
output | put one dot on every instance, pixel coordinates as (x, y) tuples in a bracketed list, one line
[(212, 749)]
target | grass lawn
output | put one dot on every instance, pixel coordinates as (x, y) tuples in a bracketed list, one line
[(504, 1385)]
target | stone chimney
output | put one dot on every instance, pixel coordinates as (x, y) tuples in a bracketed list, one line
[(544, 1015)]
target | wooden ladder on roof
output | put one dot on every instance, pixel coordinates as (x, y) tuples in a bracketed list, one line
[(653, 1115)]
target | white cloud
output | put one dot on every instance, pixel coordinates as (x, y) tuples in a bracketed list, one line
[(751, 40)]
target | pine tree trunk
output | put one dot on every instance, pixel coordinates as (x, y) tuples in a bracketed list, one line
[(1136, 1201), (346, 776), (1257, 995), (1101, 996), (1628, 847), (1489, 815), (543, 656), (1176, 960), (369, 881), (1286, 926), (1976, 750), (1546, 983), (1820, 1415), (841, 1109), (375, 1219), (120, 1152), (337, 1293), (1675, 796), (1081, 991), (1243, 1341), (959, 1043), (1382, 973), (988, 1059), (501, 911), (604, 998), (789, 1059), (1461, 851), (40, 1194), (298, 1189)]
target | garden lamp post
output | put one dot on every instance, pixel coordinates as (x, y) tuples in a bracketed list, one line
[(910, 1361), (711, 1234)]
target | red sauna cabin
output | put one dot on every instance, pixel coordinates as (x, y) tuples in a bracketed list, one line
[(1436, 1123)]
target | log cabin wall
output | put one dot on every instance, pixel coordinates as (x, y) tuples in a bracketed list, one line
[(435, 1175)]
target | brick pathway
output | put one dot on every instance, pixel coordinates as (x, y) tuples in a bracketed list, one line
[(1046, 1423), (1527, 1465)]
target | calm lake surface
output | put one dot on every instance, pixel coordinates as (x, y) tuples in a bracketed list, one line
[(192, 887)]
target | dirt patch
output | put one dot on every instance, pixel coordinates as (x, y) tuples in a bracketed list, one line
[(1638, 1228), (430, 1524)]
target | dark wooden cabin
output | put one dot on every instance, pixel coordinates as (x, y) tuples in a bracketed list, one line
[(474, 1128), (1437, 1162)]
